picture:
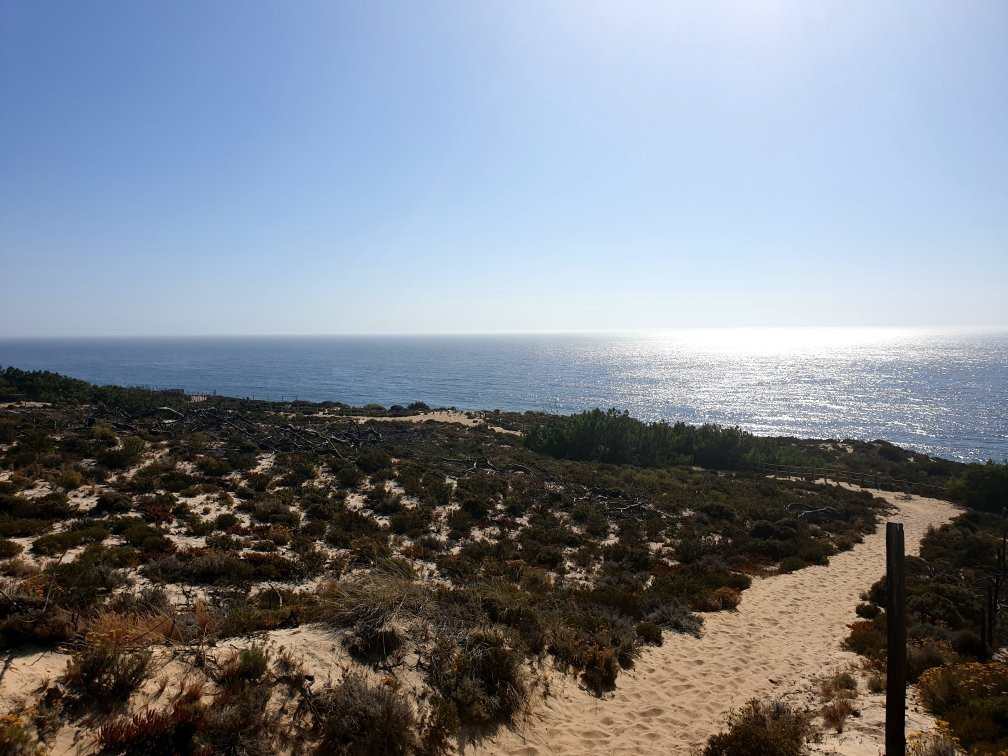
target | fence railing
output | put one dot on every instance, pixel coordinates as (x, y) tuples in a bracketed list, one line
[(851, 477)]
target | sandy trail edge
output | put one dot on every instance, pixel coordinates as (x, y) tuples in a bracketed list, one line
[(788, 628)]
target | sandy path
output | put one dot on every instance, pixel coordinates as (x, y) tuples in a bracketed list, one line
[(788, 629)]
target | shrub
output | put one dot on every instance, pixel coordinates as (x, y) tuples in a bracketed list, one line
[(153, 733), (223, 542), (600, 670), (649, 632), (867, 638), (835, 713), (214, 466), (127, 453), (867, 611), (791, 564), (363, 719), (239, 721), (348, 475), (690, 549), (107, 672), (817, 552), (375, 463), (674, 616), (483, 676), (9, 548), (277, 513), (71, 479), (93, 574), (726, 598), (52, 506), (16, 737), (268, 610), (973, 699), (412, 521), (112, 502), (159, 508), (371, 641), (56, 543), (347, 526), (877, 682), (840, 684), (226, 521), (31, 620), (383, 501), (21, 527), (244, 667), (938, 742), (923, 654), (768, 728), (147, 538)]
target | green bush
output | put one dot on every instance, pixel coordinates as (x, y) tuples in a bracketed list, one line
[(771, 728), (348, 475), (383, 501), (17, 738), (214, 466), (107, 672), (674, 616), (57, 543), (375, 462), (20, 527), (413, 521), (867, 638), (867, 611), (483, 677), (981, 486), (125, 455), (244, 667), (791, 564), (360, 718), (973, 699), (649, 632), (9, 548), (112, 502)]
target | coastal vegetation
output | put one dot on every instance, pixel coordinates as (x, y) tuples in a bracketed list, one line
[(951, 586), (615, 437), (168, 546)]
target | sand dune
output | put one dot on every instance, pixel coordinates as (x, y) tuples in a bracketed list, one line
[(786, 632)]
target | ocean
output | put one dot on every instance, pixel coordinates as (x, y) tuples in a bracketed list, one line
[(940, 392)]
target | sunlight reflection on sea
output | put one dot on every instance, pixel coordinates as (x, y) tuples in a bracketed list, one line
[(942, 392)]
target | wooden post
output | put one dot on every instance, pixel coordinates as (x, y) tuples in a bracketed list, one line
[(984, 640), (990, 614), (895, 728)]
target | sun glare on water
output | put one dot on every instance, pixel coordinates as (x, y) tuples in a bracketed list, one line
[(778, 341)]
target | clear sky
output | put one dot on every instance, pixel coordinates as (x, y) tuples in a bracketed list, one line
[(354, 167)]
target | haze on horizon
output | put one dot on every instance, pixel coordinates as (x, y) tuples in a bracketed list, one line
[(236, 168)]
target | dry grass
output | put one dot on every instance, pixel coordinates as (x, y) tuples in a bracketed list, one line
[(840, 684), (835, 714), (877, 682), (143, 628)]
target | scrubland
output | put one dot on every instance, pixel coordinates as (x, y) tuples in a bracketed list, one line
[(227, 576)]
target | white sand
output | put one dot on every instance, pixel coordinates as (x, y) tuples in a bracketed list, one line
[(786, 632), (454, 417)]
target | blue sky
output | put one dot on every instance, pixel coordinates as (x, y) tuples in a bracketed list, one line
[(257, 167)]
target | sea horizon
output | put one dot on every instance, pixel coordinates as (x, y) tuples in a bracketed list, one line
[(942, 391), (919, 329)]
